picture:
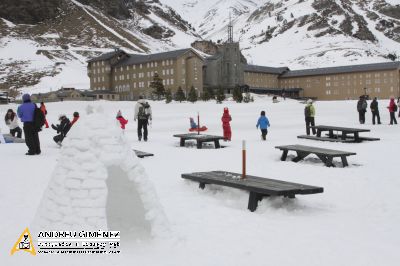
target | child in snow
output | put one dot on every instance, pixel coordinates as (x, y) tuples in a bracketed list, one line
[(44, 110), (263, 123), (193, 124), (76, 117), (121, 120), (195, 127), (62, 128), (11, 120), (226, 119)]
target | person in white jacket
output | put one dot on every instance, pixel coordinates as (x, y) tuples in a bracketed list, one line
[(11, 120), (143, 115)]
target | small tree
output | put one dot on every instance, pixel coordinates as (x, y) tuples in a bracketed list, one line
[(220, 97), (237, 94), (211, 93), (180, 95), (192, 97), (157, 86), (205, 96), (168, 96)]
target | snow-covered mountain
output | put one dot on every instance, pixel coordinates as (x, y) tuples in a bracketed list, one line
[(61, 35)]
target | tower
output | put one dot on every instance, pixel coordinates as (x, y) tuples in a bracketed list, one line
[(230, 30)]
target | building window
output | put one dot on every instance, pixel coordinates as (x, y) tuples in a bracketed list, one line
[(155, 64), (377, 90), (127, 67), (134, 67), (122, 69), (127, 76), (172, 71), (328, 84), (102, 79), (163, 72), (167, 71), (162, 63), (140, 66), (328, 92), (172, 81)]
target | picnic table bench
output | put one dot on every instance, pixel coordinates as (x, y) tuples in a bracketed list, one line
[(258, 187), (325, 155), (142, 154), (200, 139), (346, 134)]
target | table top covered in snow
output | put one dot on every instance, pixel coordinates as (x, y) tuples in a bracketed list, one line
[(198, 136), (251, 183), (315, 150), (344, 129)]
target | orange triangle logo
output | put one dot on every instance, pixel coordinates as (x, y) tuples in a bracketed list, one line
[(24, 243)]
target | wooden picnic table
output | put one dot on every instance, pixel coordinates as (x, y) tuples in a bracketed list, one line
[(200, 139), (345, 132), (325, 155), (258, 187)]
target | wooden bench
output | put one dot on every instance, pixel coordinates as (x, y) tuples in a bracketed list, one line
[(351, 138), (325, 155), (258, 187), (142, 154), (200, 139), (346, 134), (325, 139)]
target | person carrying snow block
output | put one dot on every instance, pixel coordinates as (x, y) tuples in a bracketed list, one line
[(226, 126), (62, 129), (121, 120), (76, 117), (263, 123), (11, 120), (309, 114)]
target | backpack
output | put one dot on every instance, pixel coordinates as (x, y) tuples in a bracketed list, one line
[(143, 111), (307, 111), (395, 108), (38, 119)]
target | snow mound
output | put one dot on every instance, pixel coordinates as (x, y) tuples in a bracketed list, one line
[(99, 184)]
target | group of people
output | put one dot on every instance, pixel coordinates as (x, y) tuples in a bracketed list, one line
[(33, 119), (362, 106)]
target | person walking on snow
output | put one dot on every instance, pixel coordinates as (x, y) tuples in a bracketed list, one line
[(26, 112), (62, 129), (76, 117), (362, 109), (392, 110), (309, 114), (226, 126), (11, 120), (375, 111), (142, 114), (121, 120), (263, 123), (44, 110)]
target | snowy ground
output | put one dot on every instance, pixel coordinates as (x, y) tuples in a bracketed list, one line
[(354, 222)]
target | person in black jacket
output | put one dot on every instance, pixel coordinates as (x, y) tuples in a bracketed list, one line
[(375, 111), (362, 109), (62, 129)]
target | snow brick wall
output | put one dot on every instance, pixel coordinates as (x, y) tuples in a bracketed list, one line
[(99, 184)]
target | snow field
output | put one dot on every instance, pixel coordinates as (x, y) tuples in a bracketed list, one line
[(355, 221)]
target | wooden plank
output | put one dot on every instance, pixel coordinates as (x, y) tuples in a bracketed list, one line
[(335, 128), (142, 154), (195, 136), (360, 138), (315, 150), (326, 139)]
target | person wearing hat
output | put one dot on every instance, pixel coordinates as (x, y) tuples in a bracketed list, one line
[(142, 114), (226, 126), (362, 109), (62, 128), (26, 112), (11, 120), (76, 117), (309, 113)]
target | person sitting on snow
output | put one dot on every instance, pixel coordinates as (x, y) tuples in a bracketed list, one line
[(62, 128), (121, 120)]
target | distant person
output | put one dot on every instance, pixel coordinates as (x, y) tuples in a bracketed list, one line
[(226, 126), (362, 109), (76, 118), (44, 110), (263, 123), (143, 114), (11, 120), (275, 99), (392, 111), (375, 111), (309, 114), (121, 120), (26, 112), (62, 128)]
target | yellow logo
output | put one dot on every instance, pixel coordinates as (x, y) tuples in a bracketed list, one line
[(24, 243)]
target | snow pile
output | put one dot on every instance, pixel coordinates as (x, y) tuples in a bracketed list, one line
[(98, 184)]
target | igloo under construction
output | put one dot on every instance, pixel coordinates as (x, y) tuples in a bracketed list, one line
[(99, 184)]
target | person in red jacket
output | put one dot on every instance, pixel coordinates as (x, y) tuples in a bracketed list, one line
[(76, 117), (121, 120), (226, 119), (44, 110), (392, 110)]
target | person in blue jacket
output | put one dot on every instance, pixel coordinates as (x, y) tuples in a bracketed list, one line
[(263, 123), (26, 112)]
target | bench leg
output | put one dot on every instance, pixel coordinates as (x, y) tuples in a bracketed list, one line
[(300, 156), (253, 201), (199, 144), (328, 161), (284, 155), (216, 144), (344, 135), (182, 143), (318, 132), (331, 134), (290, 196), (202, 185), (344, 161), (357, 137)]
